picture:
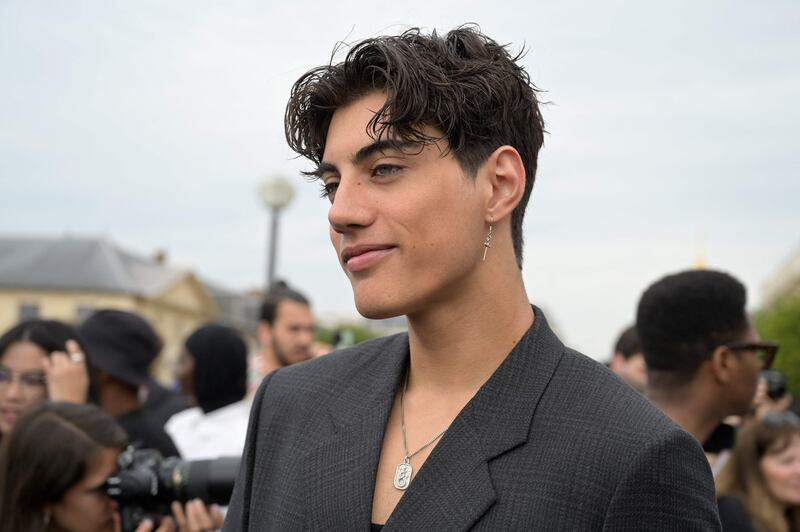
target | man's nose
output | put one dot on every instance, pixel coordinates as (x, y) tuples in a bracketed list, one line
[(307, 336), (351, 206)]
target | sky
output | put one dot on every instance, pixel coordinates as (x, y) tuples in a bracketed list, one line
[(671, 135)]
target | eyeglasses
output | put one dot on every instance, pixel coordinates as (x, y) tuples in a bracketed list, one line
[(779, 419), (31, 383), (765, 351)]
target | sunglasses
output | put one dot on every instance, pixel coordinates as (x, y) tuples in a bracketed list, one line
[(764, 351)]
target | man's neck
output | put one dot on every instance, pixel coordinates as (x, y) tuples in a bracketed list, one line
[(456, 346), (689, 411), (269, 362)]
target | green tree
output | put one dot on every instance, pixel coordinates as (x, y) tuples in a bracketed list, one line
[(781, 322), (347, 334)]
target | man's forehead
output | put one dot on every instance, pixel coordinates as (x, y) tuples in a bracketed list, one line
[(349, 125), (289, 309)]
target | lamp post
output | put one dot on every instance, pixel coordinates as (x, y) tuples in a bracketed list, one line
[(276, 193)]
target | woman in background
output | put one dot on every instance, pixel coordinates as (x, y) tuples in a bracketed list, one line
[(759, 487), (212, 373), (39, 359), (53, 465), (53, 468)]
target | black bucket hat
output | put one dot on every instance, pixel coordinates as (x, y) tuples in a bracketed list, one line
[(120, 343)]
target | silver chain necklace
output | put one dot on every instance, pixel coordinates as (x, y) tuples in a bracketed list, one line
[(402, 475)]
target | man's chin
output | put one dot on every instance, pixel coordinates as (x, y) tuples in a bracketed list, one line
[(374, 311)]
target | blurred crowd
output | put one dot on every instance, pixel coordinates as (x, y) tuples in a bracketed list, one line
[(74, 401)]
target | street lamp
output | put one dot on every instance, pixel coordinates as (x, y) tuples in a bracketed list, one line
[(276, 193)]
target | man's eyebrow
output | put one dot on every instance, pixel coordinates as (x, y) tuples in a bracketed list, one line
[(379, 146)]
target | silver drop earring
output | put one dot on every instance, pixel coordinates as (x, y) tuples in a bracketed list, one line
[(487, 243)]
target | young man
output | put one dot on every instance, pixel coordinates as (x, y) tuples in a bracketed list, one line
[(479, 417), (120, 346), (703, 355), (285, 329)]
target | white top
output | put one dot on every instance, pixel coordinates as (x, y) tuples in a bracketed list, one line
[(219, 433)]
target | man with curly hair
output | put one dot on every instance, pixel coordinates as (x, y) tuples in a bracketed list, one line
[(426, 147), (703, 356)]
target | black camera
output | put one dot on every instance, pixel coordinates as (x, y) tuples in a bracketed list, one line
[(776, 384), (146, 483)]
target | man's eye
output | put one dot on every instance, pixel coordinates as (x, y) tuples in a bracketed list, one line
[(329, 190), (383, 170)]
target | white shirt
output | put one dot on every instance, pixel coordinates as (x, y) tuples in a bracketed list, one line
[(201, 436)]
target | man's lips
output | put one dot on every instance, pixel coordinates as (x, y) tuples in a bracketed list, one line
[(357, 258)]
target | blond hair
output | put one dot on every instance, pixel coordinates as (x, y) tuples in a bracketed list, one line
[(742, 478)]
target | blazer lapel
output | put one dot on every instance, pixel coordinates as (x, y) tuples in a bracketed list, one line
[(454, 488), (339, 474)]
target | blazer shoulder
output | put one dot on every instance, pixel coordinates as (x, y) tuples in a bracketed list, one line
[(346, 362), (319, 380), (612, 397)]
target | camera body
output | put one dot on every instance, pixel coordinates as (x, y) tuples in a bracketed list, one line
[(145, 483), (776, 384)]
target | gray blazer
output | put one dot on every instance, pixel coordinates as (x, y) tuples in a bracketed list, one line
[(552, 441)]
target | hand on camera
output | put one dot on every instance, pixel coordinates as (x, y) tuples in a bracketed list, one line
[(67, 377), (197, 517)]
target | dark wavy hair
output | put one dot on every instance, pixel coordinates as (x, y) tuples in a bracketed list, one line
[(683, 317), (47, 452), (49, 335), (466, 86)]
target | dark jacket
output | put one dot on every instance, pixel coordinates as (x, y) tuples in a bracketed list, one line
[(552, 441)]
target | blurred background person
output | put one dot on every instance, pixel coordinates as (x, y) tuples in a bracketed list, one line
[(285, 329), (39, 359), (212, 373), (52, 468), (120, 346), (628, 360), (759, 487), (703, 356)]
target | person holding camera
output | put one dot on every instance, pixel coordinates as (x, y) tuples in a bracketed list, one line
[(54, 465)]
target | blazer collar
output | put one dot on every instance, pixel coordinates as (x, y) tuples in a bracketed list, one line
[(454, 487), (340, 474)]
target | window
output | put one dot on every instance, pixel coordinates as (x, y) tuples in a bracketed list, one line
[(28, 311), (83, 312)]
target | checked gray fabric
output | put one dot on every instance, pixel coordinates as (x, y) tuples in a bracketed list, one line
[(552, 441)]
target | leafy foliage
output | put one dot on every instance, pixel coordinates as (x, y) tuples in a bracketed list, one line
[(781, 322)]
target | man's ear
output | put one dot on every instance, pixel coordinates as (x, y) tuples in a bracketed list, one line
[(264, 333), (723, 362), (505, 176)]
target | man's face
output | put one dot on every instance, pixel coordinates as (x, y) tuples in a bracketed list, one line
[(407, 224), (748, 370), (292, 332)]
